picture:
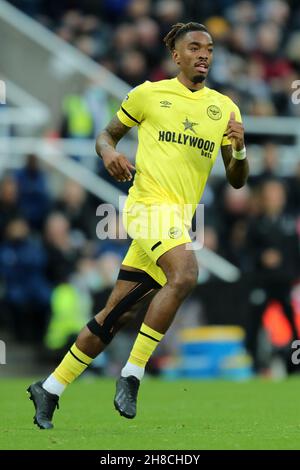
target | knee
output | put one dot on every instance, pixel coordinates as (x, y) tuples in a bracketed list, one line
[(184, 282), (123, 320)]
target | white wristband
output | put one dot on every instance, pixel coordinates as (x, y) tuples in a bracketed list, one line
[(239, 154)]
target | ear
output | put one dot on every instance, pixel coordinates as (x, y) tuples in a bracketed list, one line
[(176, 57)]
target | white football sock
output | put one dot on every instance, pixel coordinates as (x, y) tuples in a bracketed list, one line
[(53, 386), (131, 369)]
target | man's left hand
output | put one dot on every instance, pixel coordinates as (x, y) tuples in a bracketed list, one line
[(235, 133)]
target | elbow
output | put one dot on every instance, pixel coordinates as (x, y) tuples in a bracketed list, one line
[(237, 173), (237, 183), (238, 180)]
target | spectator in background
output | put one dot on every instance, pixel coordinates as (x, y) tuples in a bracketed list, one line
[(133, 67), (270, 165), (26, 288), (233, 222), (9, 207), (77, 120), (166, 69), (72, 19), (101, 106), (167, 13), (110, 251), (114, 10), (137, 9), (100, 33), (34, 199), (71, 306), (294, 192), (274, 251), (75, 206), (148, 41), (270, 162), (210, 239), (61, 253), (125, 38)]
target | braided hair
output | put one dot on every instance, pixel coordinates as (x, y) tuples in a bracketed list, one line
[(178, 30)]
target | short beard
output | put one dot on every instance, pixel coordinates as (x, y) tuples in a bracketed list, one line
[(198, 79)]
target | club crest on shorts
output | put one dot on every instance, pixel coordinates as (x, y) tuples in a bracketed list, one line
[(175, 232), (214, 112)]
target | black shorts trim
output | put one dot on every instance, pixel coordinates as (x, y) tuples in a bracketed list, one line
[(136, 276)]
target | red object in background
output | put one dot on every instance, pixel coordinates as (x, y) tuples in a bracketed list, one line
[(278, 68), (51, 134), (277, 325)]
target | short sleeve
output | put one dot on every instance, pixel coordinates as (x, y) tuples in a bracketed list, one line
[(231, 108), (131, 112)]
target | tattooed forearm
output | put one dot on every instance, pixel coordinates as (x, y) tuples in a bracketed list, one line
[(110, 136)]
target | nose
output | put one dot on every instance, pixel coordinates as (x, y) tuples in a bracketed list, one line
[(203, 53)]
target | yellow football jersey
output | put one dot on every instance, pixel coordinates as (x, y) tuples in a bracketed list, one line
[(180, 133)]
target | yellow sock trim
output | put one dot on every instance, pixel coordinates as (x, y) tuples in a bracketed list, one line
[(155, 334), (144, 346), (72, 365), (83, 357)]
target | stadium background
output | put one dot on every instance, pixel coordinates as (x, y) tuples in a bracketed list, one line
[(66, 66)]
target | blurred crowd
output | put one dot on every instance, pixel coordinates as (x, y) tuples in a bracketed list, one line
[(257, 43)]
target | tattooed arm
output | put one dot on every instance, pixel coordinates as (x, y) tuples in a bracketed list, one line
[(115, 162)]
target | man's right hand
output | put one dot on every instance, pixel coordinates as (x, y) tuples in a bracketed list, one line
[(118, 166)]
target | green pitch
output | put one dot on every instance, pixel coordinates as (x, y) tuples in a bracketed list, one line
[(171, 415)]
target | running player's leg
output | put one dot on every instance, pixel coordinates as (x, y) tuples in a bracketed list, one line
[(181, 270), (93, 345), (132, 286)]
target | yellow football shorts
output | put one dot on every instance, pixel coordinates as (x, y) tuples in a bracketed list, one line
[(155, 229)]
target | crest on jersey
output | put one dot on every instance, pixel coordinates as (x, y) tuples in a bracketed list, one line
[(175, 232), (214, 112)]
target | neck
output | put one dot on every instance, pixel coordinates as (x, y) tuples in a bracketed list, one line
[(188, 83)]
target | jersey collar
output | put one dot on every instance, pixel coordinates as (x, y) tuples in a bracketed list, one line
[(191, 94)]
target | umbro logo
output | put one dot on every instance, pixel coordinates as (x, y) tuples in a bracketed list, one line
[(165, 104)]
